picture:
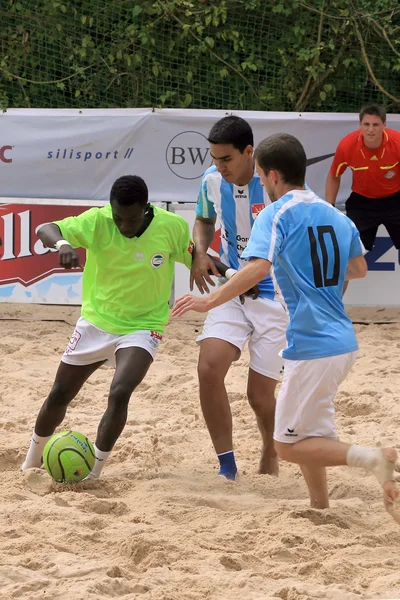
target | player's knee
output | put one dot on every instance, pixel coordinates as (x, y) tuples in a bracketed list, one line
[(261, 403), (255, 402), (284, 451), (119, 395), (261, 398), (60, 395), (208, 370)]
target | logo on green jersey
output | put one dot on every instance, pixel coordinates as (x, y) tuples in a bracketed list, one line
[(157, 260)]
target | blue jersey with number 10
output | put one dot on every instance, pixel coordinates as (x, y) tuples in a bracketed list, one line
[(309, 242)]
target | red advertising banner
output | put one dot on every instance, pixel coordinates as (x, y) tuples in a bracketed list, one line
[(23, 258)]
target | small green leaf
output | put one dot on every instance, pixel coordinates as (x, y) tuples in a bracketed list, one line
[(136, 10), (187, 101)]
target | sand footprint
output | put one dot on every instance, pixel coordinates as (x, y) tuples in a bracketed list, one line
[(38, 481)]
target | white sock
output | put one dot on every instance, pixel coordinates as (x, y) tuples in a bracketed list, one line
[(35, 452), (101, 458), (372, 460)]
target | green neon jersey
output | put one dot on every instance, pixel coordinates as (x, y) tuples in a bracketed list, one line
[(126, 282)]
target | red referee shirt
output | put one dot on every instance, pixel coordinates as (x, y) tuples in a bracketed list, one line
[(376, 173)]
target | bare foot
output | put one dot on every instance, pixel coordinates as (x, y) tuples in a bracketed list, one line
[(269, 465), (320, 503), (384, 472)]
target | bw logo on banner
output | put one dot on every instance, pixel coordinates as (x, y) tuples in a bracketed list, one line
[(188, 155)]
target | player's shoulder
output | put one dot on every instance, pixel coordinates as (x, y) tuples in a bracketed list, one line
[(169, 219), (297, 200), (293, 198), (212, 173), (91, 214), (104, 212), (335, 215)]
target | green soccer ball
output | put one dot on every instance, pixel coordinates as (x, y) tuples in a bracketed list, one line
[(68, 456)]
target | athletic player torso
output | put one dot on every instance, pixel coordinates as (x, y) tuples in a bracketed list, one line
[(236, 208)]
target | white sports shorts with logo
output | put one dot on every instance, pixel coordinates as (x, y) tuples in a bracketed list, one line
[(305, 404), (89, 344), (262, 321)]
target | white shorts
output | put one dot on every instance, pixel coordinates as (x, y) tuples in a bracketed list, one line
[(89, 344), (305, 404), (262, 321)]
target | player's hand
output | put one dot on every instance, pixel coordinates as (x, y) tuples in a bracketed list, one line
[(68, 257), (252, 293), (189, 302), (202, 263)]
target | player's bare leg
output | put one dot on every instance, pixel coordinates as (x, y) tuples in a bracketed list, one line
[(317, 484), (321, 452), (69, 380), (261, 395), (132, 364), (216, 356)]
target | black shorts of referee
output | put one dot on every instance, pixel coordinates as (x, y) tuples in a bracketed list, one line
[(368, 213)]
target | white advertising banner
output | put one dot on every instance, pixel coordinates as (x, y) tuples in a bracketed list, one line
[(67, 153), (77, 154), (70, 158)]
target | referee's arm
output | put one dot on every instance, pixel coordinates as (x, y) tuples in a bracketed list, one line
[(332, 188)]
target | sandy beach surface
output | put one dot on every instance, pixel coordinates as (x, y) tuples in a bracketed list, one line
[(160, 524)]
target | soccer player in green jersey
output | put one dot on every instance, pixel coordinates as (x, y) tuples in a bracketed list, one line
[(131, 248)]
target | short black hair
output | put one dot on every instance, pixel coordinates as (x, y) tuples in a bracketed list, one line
[(128, 190), (283, 153), (232, 130), (373, 109)]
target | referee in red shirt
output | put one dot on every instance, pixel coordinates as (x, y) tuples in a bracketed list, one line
[(373, 155)]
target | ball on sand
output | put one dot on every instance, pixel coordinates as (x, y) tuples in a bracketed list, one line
[(68, 456)]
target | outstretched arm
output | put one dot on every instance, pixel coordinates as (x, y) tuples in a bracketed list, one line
[(228, 272), (50, 235), (244, 280)]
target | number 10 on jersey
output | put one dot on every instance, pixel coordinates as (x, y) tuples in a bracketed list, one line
[(324, 244)]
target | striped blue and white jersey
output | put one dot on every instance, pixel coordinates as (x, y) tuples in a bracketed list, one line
[(309, 243), (236, 208)]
